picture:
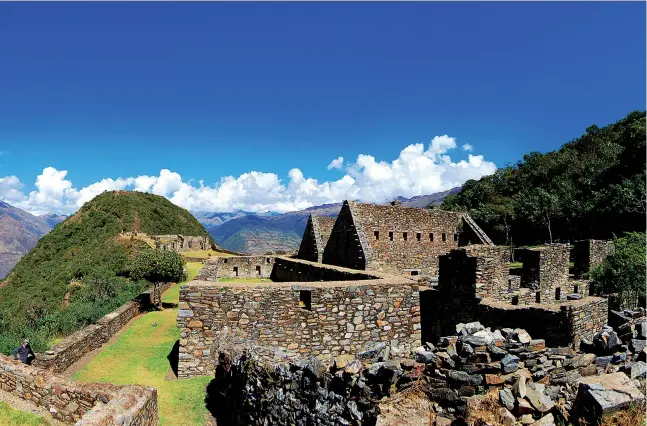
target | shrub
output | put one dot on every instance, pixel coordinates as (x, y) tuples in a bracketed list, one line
[(623, 271)]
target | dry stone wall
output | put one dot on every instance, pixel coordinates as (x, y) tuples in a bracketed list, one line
[(394, 239), (247, 267), (308, 319), (84, 404), (473, 285), (545, 269), (315, 238), (62, 355), (587, 254), (560, 325), (181, 243)]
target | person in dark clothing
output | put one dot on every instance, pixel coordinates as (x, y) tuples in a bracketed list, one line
[(24, 353)]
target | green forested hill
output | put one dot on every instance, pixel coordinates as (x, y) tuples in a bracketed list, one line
[(592, 187), (76, 273)]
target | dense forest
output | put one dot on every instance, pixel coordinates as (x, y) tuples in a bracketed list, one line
[(592, 187), (81, 270)]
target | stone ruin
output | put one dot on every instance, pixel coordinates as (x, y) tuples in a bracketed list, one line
[(181, 243), (315, 237), (395, 239), (358, 297)]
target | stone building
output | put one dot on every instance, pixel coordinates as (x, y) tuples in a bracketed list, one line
[(309, 309), (181, 243), (244, 267), (588, 254), (473, 286), (396, 239), (315, 237)]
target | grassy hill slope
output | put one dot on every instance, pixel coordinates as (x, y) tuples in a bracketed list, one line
[(75, 274)]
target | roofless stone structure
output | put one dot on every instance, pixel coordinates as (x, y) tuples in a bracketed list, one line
[(396, 239), (315, 237)]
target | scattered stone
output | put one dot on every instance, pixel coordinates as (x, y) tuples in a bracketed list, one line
[(638, 370), (547, 420), (606, 393), (519, 387), (573, 296), (522, 336), (506, 398), (510, 363)]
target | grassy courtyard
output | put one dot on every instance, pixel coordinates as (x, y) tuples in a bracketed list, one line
[(139, 356), (204, 254), (12, 417)]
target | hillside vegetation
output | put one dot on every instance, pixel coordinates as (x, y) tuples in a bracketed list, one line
[(592, 187), (79, 271)]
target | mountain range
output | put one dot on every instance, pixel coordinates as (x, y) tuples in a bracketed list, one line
[(245, 232), (19, 233), (262, 233)]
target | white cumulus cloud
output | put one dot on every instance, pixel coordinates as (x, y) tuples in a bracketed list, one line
[(467, 147), (418, 170), (336, 163)]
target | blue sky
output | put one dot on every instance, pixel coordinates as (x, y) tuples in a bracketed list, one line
[(218, 90)]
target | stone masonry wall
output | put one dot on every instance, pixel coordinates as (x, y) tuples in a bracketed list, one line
[(310, 248), (181, 243), (315, 237), (588, 254), (309, 319), (405, 240), (560, 325), (62, 355), (87, 404), (545, 269), (293, 270), (347, 246), (247, 267)]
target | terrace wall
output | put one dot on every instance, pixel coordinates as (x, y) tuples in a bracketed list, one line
[(83, 404), (62, 355)]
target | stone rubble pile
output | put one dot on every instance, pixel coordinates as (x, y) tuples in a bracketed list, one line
[(536, 385)]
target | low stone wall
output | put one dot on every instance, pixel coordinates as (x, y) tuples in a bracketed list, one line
[(62, 355), (294, 270), (559, 324), (237, 267), (87, 404), (307, 318)]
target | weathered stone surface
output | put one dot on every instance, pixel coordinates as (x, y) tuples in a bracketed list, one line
[(547, 420), (606, 393), (510, 363), (93, 404), (506, 398), (538, 399)]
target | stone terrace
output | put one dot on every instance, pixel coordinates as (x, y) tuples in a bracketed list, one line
[(83, 404)]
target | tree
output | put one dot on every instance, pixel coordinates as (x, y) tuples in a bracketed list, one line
[(157, 266), (623, 271)]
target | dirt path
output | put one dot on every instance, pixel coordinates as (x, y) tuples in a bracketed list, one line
[(29, 407)]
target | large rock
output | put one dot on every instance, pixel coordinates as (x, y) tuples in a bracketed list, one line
[(606, 341), (510, 363), (480, 338), (522, 336), (604, 394), (538, 398)]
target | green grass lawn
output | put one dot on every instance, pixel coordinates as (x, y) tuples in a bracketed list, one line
[(203, 254), (139, 356), (12, 417)]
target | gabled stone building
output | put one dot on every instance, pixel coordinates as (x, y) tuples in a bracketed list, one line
[(396, 239), (315, 237)]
